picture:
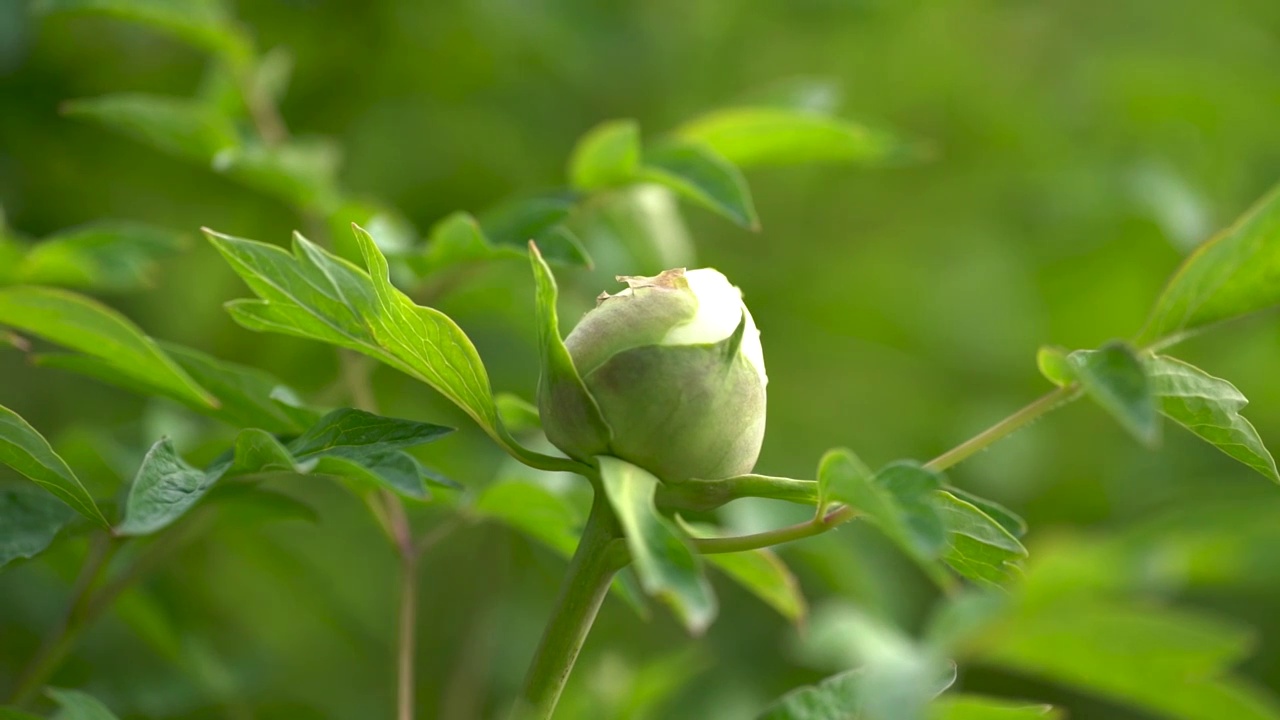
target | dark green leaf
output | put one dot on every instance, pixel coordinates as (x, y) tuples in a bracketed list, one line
[(9, 713), (246, 504), (163, 490), (87, 326), (540, 219), (1210, 408), (78, 706), (976, 707), (103, 256), (28, 523), (700, 175), (357, 434), (609, 154), (301, 171), (25, 450), (185, 128), (1235, 273), (666, 564), (979, 548), (1116, 379), (204, 23), (752, 136)]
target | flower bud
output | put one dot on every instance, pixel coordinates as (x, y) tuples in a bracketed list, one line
[(675, 366)]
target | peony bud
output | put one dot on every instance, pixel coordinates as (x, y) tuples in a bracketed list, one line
[(675, 366)]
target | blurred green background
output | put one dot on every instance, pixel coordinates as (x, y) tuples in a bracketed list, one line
[(1078, 151)]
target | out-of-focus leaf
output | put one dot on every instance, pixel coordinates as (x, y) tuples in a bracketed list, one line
[(608, 154), (1054, 366), (1210, 408), (766, 576), (979, 548), (644, 221), (540, 219), (698, 174), (179, 126), (666, 564), (28, 523), (517, 414), (76, 705), (163, 490), (11, 713), (752, 136), (976, 707), (25, 450), (102, 256), (1235, 273), (204, 23), (301, 171), (87, 326), (247, 504), (835, 698), (1115, 378)]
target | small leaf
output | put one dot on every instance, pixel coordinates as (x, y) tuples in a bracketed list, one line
[(356, 434), (1054, 366), (835, 698), (609, 154), (204, 23), (1233, 274), (1115, 378), (301, 171), (1210, 408), (87, 326), (1007, 519), (540, 219), (976, 707), (703, 177), (979, 548), (517, 414), (845, 475), (103, 256), (178, 126), (163, 490), (25, 450), (78, 706), (29, 521), (754, 136), (663, 559)]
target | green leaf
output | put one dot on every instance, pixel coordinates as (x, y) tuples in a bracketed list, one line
[(1115, 378), (979, 548), (700, 175), (25, 450), (765, 575), (517, 414), (845, 475), (753, 136), (1235, 273), (78, 706), (102, 255), (1010, 521), (1210, 408), (1054, 366), (28, 523), (163, 490), (87, 326), (301, 171), (976, 707), (178, 126), (204, 23), (540, 219), (667, 566), (9, 713), (835, 698), (357, 434), (609, 154)]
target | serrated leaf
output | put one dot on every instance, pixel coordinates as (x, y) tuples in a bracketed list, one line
[(77, 705), (976, 707), (1235, 273), (608, 154), (979, 548), (29, 521), (204, 23), (754, 136), (698, 174), (85, 325), (1209, 407), (1115, 378), (667, 566), (181, 127), (163, 490), (102, 256), (301, 171), (25, 450), (1054, 366)]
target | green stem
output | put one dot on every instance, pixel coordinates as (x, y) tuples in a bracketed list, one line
[(599, 557), (703, 495)]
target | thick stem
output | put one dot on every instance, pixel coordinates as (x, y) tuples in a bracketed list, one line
[(584, 588)]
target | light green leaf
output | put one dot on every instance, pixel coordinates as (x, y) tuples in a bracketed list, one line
[(835, 698), (102, 255), (1235, 273), (178, 126), (82, 324), (766, 576), (78, 706), (609, 154), (665, 563), (845, 474), (700, 175), (979, 548), (1010, 521), (1054, 366), (1210, 408), (753, 136), (28, 523), (1116, 379), (163, 490), (204, 23), (517, 414), (255, 451), (25, 450), (301, 171), (976, 707)]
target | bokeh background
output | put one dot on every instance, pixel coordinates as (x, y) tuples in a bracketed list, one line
[(1078, 150)]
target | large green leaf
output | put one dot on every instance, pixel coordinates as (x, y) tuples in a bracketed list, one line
[(698, 174), (1235, 273), (978, 547), (751, 136), (203, 23), (28, 523), (178, 126), (76, 705), (977, 707), (1210, 408), (25, 450), (101, 255), (85, 325), (1115, 378), (608, 154), (663, 559)]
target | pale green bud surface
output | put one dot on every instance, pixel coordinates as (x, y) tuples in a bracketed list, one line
[(675, 366)]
